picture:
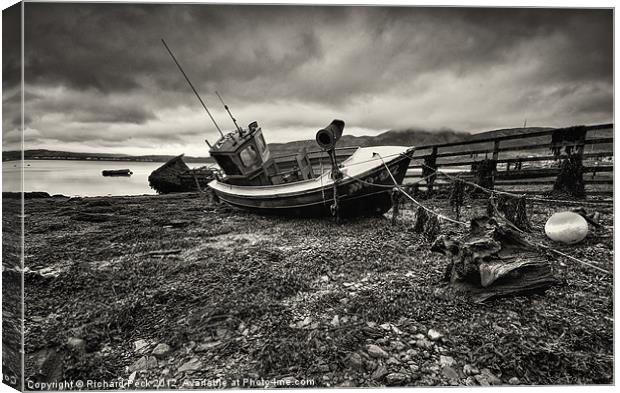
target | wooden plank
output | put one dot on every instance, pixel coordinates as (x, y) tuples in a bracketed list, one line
[(599, 141), (534, 182), (605, 153), (530, 173), (520, 159)]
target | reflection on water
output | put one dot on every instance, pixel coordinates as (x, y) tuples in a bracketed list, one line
[(80, 178)]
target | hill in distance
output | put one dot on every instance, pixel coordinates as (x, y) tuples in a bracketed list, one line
[(406, 137)]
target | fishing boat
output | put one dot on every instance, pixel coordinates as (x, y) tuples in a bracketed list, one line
[(361, 185), (117, 172), (250, 178)]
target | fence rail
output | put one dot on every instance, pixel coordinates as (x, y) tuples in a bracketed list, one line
[(521, 160)]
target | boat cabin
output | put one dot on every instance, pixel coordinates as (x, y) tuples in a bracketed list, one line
[(245, 159)]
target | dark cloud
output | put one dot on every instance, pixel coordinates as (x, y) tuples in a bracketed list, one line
[(11, 45), (293, 67)]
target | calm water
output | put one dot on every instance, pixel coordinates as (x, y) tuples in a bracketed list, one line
[(80, 178)]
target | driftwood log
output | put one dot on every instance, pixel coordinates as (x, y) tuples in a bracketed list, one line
[(493, 261)]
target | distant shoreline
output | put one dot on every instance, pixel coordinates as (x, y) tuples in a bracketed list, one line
[(207, 160)]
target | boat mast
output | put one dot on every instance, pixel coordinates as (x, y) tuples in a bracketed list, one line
[(193, 88), (228, 110)]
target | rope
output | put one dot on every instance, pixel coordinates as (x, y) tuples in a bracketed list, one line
[(399, 188), (508, 222), (321, 177), (575, 259)]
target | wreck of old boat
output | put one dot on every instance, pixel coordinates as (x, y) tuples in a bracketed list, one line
[(176, 176)]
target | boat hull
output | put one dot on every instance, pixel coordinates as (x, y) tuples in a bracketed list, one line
[(366, 194)]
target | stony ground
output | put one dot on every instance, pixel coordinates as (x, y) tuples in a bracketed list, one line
[(171, 287)]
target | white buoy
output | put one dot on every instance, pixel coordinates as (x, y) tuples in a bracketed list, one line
[(566, 227)]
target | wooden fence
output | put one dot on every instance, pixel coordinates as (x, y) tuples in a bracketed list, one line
[(524, 163)]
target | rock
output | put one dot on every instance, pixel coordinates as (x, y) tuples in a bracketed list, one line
[(324, 368), (371, 365), (398, 345), (289, 381), (50, 363), (161, 350), (396, 330), (355, 361), (347, 384), (446, 360), (376, 351), (566, 227), (140, 345), (307, 321), (76, 344), (204, 347), (481, 379), (449, 372), (192, 365), (424, 344), (491, 378), (419, 336), (434, 335), (386, 326), (335, 321), (379, 373), (468, 369), (144, 363), (221, 332), (514, 381), (395, 378), (470, 381), (393, 361)]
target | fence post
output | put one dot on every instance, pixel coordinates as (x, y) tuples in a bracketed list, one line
[(495, 158), (570, 178), (496, 149), (395, 204), (429, 170)]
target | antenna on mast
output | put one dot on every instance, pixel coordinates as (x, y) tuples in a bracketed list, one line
[(192, 86), (228, 110)]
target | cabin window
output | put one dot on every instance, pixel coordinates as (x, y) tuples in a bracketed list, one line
[(249, 156), (260, 143), (262, 147), (228, 165)]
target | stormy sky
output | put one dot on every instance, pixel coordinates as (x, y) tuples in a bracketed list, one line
[(99, 80)]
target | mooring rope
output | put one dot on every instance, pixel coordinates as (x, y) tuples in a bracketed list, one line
[(399, 188), (575, 259)]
